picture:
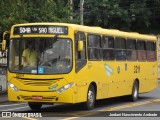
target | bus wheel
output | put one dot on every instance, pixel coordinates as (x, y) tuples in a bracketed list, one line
[(135, 90), (89, 104), (35, 105)]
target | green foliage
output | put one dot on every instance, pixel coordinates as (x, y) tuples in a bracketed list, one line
[(129, 15), (23, 11)]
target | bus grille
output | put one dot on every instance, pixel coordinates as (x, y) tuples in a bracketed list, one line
[(50, 98), (37, 82)]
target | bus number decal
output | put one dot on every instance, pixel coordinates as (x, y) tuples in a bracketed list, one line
[(136, 69)]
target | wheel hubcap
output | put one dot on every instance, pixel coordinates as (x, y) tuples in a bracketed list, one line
[(90, 98), (135, 92)]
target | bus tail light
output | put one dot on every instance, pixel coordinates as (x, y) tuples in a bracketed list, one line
[(67, 86), (13, 87)]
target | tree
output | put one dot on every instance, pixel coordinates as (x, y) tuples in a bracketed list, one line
[(128, 15), (106, 13), (23, 11)]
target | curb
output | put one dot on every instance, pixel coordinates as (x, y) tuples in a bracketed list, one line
[(3, 93)]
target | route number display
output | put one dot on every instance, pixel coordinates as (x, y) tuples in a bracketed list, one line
[(60, 30)]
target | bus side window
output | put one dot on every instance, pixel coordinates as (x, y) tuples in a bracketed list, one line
[(94, 47), (151, 50), (131, 50), (141, 50), (80, 56), (120, 48), (108, 48)]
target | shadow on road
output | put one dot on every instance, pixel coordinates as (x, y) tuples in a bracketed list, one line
[(64, 109)]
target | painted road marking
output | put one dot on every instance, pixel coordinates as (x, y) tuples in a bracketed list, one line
[(82, 114), (130, 105), (15, 108), (114, 108), (29, 118), (70, 118), (12, 105)]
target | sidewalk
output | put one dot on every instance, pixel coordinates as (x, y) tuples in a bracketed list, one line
[(3, 97)]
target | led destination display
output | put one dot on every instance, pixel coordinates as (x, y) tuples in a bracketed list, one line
[(61, 30)]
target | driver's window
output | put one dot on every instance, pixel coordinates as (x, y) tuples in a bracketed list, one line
[(16, 56), (29, 55)]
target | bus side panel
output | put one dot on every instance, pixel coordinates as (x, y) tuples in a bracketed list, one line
[(82, 81), (148, 76), (94, 73), (120, 83)]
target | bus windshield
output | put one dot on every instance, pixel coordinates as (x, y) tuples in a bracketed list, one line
[(40, 55)]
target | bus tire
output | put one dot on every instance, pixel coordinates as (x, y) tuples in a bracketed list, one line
[(91, 97), (135, 90), (35, 105)]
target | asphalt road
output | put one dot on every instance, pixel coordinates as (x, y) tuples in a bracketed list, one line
[(148, 103)]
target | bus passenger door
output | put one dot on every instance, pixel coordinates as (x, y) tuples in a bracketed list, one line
[(80, 66)]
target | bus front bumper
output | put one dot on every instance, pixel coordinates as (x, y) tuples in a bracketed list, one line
[(67, 96)]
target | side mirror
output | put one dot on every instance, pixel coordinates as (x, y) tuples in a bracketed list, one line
[(3, 45), (80, 45)]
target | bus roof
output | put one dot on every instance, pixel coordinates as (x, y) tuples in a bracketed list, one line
[(97, 30)]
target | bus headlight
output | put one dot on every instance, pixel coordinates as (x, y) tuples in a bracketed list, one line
[(13, 87), (67, 86)]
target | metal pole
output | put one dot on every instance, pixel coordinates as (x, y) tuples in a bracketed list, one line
[(81, 11), (71, 9)]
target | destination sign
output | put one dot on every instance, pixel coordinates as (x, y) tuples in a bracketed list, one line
[(60, 30)]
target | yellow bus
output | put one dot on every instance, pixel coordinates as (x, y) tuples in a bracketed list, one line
[(3, 60), (79, 64), (4, 43), (5, 39)]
